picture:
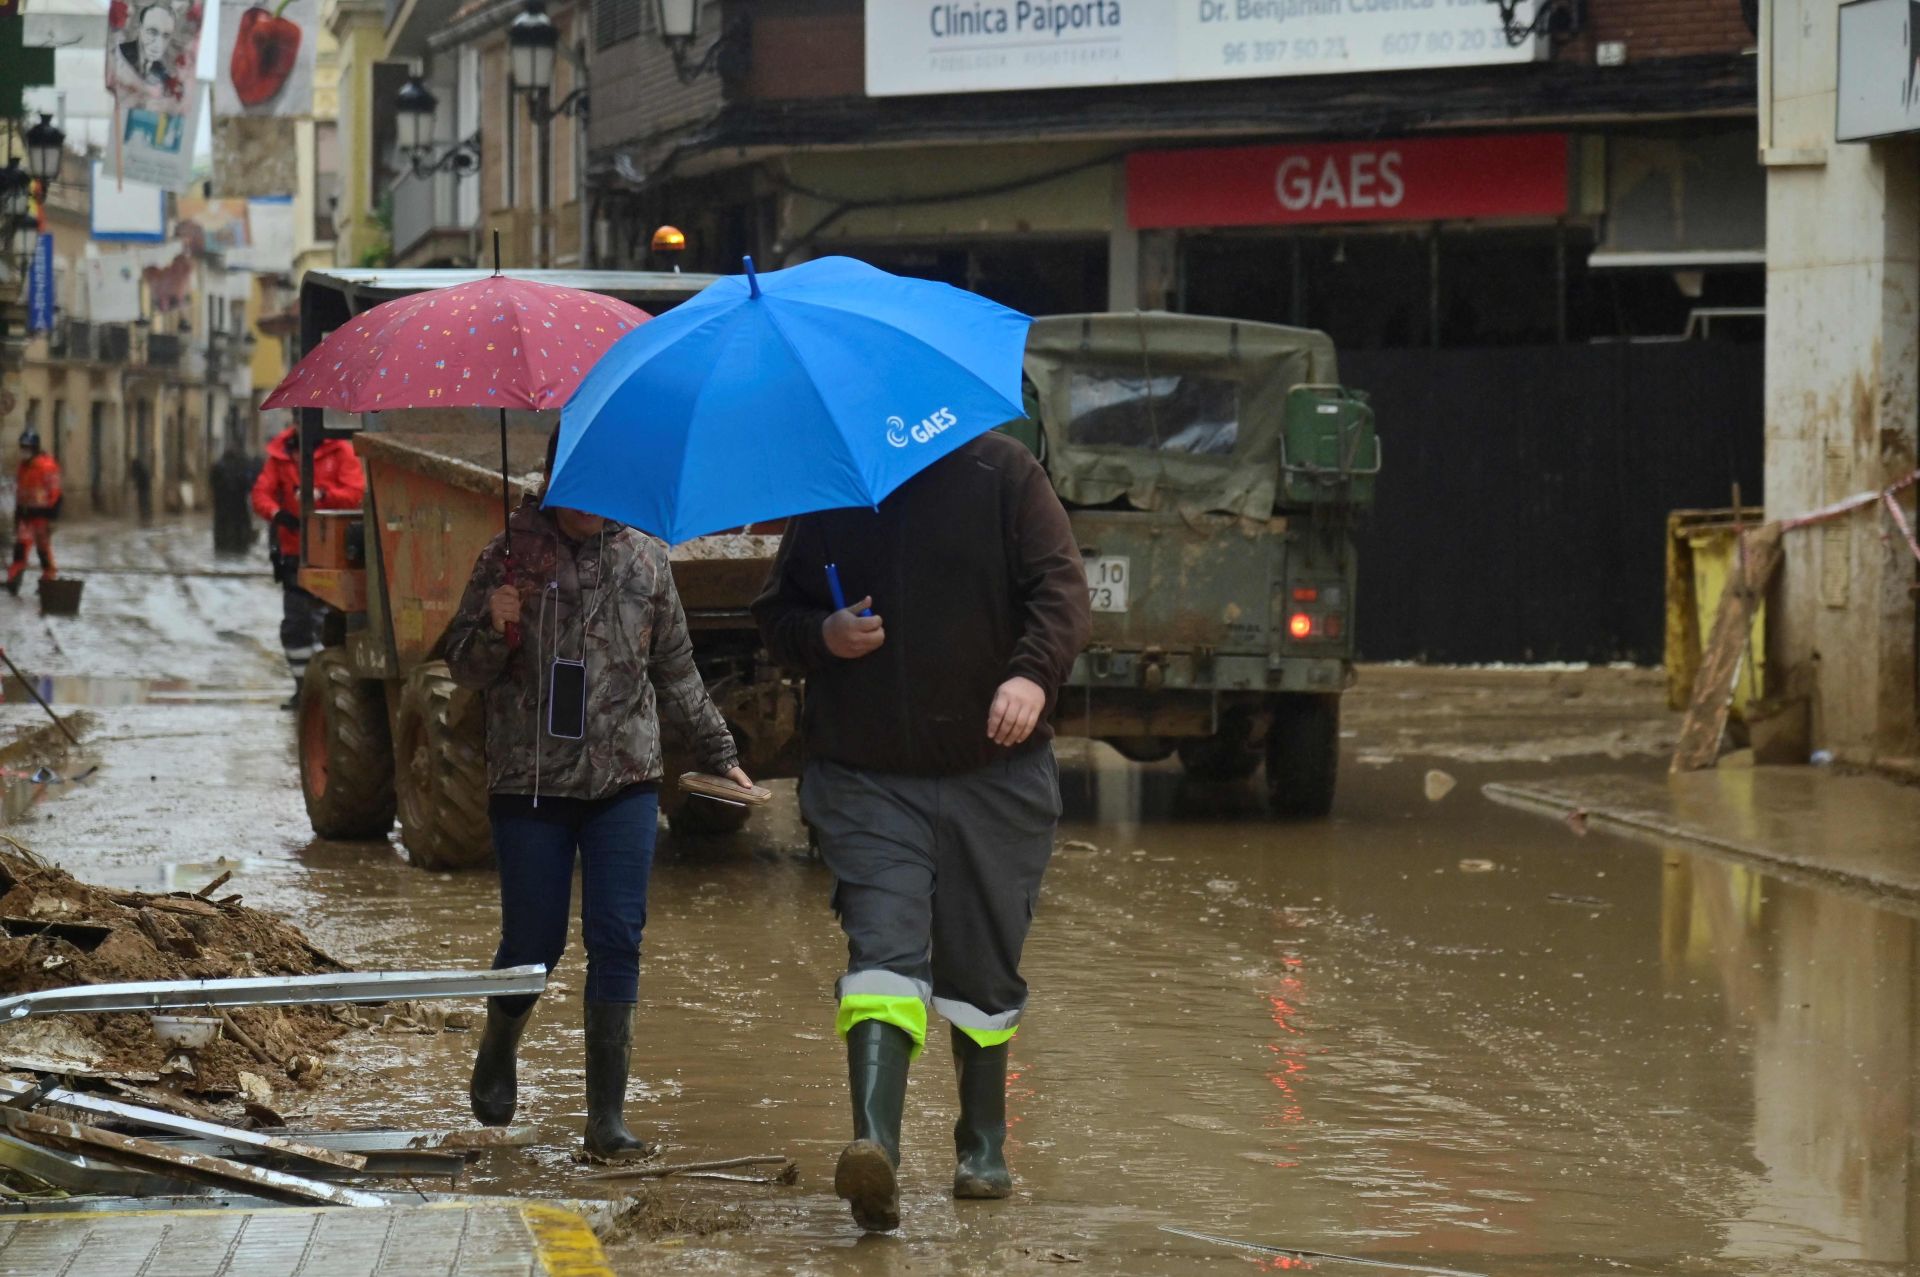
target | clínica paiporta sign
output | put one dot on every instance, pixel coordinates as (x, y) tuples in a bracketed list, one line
[(979, 46)]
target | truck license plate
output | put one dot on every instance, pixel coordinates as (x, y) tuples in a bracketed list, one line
[(1107, 579)]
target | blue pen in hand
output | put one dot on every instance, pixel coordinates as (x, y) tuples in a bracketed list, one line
[(840, 595)]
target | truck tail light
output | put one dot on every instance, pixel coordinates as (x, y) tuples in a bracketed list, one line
[(1300, 625), (1332, 625), (1305, 594)]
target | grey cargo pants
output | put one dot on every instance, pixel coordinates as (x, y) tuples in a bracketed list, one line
[(935, 883)]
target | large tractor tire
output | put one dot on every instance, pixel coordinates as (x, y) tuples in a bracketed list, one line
[(1303, 754), (441, 776), (346, 754), (1227, 755)]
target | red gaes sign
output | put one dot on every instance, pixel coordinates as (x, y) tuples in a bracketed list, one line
[(1411, 180)]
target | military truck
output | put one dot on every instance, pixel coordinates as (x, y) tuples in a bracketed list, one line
[(1215, 472), (382, 729)]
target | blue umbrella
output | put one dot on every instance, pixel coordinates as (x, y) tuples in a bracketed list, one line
[(826, 385)]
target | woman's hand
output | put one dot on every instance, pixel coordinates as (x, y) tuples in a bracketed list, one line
[(503, 605), (740, 778)]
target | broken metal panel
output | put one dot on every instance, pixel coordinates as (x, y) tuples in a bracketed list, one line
[(393, 1164), (277, 991), (132, 1151), (175, 1124), (76, 1173), (396, 1141)]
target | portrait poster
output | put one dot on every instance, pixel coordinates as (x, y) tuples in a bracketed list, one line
[(153, 47), (266, 58)]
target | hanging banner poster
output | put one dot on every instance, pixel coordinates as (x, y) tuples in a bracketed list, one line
[(113, 287), (156, 145), (212, 225), (152, 48), (270, 237), (40, 286), (266, 57)]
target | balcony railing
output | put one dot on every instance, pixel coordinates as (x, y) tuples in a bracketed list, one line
[(163, 350), (112, 343), (423, 206)]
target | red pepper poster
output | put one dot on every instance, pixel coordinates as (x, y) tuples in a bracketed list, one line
[(266, 57)]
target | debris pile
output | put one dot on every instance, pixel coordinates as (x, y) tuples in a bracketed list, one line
[(56, 932)]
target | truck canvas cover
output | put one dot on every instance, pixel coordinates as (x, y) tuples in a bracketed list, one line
[(1170, 412)]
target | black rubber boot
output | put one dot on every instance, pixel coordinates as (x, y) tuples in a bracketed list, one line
[(609, 1046), (495, 1088), (868, 1174), (980, 1135)]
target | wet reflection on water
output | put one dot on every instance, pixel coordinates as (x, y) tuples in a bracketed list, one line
[(1332, 1035)]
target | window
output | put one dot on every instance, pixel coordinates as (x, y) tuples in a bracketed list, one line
[(617, 20), (326, 183), (1176, 412)]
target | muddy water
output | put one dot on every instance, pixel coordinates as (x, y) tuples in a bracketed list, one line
[(1427, 1032)]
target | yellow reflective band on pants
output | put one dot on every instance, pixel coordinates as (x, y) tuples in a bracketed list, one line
[(885, 996), (984, 1029)]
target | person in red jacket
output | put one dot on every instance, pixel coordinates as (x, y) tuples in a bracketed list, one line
[(338, 484), (36, 506)]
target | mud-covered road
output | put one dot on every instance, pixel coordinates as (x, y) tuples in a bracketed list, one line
[(1424, 1031)]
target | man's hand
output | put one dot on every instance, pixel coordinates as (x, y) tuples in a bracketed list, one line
[(503, 605), (850, 635), (1017, 707), (740, 778), (286, 519)]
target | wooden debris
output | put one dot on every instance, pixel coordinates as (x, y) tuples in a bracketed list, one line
[(1726, 650), (241, 1036), (141, 1154), (687, 1168), (206, 892)]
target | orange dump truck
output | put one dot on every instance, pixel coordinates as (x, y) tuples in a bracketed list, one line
[(383, 730)]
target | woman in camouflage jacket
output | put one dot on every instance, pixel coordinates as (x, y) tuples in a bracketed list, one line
[(578, 591)]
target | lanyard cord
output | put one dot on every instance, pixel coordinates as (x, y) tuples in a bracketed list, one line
[(550, 604)]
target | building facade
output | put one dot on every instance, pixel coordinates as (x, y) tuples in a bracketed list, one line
[(1843, 275), (1536, 233)]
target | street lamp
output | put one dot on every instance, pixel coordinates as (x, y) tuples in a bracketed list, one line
[(46, 145), (533, 38), (17, 223), (680, 31), (532, 42), (414, 107), (679, 22)]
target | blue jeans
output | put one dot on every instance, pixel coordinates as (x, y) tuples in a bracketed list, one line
[(535, 849)]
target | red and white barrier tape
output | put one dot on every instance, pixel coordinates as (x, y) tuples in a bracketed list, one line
[(1858, 501)]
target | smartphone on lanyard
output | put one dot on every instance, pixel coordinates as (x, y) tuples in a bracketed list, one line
[(567, 699)]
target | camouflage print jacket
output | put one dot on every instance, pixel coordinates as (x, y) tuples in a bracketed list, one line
[(609, 601)]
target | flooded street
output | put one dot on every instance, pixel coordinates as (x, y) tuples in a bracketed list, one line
[(1431, 1032)]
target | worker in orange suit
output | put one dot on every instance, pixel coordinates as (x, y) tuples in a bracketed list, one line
[(338, 484), (36, 506)]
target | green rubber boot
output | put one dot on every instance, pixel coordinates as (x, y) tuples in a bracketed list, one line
[(495, 1087), (609, 1049), (980, 1135), (868, 1174)]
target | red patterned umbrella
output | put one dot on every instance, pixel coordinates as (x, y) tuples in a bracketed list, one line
[(497, 342)]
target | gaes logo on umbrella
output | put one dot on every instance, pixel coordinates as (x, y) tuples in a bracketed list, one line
[(899, 434)]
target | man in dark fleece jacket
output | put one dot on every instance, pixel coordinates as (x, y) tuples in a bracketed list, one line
[(930, 777)]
